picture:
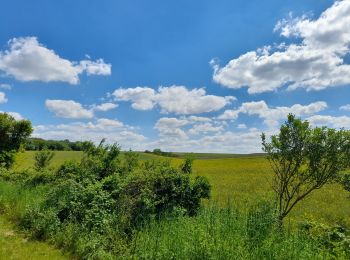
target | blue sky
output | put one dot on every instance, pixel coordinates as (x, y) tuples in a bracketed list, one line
[(178, 75)]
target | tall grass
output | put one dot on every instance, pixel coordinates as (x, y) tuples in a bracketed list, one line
[(15, 198), (223, 233)]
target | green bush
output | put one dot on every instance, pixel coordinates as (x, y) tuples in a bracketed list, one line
[(106, 197)]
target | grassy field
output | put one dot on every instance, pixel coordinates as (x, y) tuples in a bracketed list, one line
[(242, 180), (15, 246)]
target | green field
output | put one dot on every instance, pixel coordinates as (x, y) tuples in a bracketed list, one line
[(16, 246), (242, 180)]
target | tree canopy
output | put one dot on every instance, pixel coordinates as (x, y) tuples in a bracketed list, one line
[(12, 134), (304, 159)]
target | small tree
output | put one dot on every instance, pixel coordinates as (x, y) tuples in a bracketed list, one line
[(12, 134), (187, 165), (304, 159), (43, 159)]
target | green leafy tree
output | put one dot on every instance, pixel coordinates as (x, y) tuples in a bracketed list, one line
[(187, 165), (43, 159), (12, 134), (304, 159)]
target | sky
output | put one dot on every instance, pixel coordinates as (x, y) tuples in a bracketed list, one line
[(196, 76)]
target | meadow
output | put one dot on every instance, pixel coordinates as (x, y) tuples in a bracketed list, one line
[(236, 223), (240, 180)]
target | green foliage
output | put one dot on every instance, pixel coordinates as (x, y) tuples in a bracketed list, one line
[(345, 181), (43, 159), (12, 134), (187, 165), (335, 239), (260, 223), (222, 233), (304, 159), (38, 144), (106, 197), (161, 153)]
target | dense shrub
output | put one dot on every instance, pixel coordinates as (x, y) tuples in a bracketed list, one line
[(107, 196), (334, 239)]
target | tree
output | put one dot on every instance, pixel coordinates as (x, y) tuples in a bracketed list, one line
[(43, 159), (304, 159), (12, 134), (186, 166)]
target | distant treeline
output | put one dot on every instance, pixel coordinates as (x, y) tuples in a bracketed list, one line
[(35, 144), (161, 153)]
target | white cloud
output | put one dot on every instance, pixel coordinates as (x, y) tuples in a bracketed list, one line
[(104, 107), (3, 98), (316, 63), (98, 67), (142, 98), (68, 109), (345, 107), (205, 128), (171, 127), (331, 121), (5, 86), (173, 99), (111, 130), (241, 126), (28, 60), (15, 115), (225, 141), (272, 116)]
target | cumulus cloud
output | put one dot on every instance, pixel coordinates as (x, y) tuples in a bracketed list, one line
[(104, 107), (345, 107), (141, 98), (68, 109), (331, 121), (173, 99), (110, 129), (205, 128), (316, 63), (222, 141), (272, 116), (3, 98), (28, 60)]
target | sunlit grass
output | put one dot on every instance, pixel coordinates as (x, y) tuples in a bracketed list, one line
[(243, 180)]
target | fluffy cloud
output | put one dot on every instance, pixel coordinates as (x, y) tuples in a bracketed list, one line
[(331, 121), (272, 116), (104, 107), (3, 98), (111, 130), (345, 107), (175, 129), (142, 98), (174, 99), (68, 109), (248, 141), (28, 60), (171, 127), (205, 128), (316, 63)]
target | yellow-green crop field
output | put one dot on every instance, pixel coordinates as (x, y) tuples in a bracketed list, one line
[(242, 180)]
